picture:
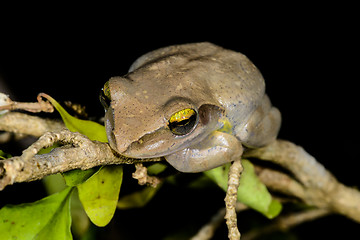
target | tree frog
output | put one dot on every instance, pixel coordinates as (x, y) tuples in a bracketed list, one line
[(198, 105)]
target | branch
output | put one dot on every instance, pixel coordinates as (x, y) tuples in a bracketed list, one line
[(30, 125), (320, 188), (313, 184), (83, 155)]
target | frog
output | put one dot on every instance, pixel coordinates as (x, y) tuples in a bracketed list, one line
[(198, 105)]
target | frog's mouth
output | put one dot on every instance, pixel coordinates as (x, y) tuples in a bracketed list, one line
[(163, 142)]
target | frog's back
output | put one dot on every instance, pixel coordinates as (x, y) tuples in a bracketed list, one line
[(227, 72), (228, 77), (236, 83)]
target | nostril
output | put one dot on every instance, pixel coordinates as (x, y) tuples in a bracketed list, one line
[(120, 145)]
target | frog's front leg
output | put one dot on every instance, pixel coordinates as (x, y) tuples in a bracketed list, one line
[(217, 149)]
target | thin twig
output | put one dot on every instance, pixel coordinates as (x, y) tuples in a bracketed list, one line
[(39, 106), (208, 230), (231, 198), (284, 223), (143, 178), (280, 182)]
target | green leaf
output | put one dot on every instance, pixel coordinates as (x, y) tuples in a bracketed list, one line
[(80, 221), (99, 194), (48, 149), (93, 130), (275, 208), (4, 155), (219, 175), (77, 176), (251, 192), (98, 189), (137, 199), (53, 183), (48, 218), (156, 168)]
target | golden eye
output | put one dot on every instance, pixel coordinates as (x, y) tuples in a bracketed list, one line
[(105, 97), (183, 122)]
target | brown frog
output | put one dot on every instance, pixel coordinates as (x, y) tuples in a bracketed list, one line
[(195, 104)]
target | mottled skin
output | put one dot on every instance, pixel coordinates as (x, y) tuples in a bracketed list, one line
[(224, 88)]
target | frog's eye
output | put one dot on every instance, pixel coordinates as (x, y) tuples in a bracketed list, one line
[(183, 122), (105, 97)]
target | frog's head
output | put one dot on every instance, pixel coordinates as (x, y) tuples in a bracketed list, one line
[(151, 114)]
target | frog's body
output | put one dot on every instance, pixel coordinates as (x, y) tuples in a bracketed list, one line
[(218, 96)]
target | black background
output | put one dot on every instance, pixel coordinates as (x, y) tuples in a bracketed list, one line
[(308, 56)]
